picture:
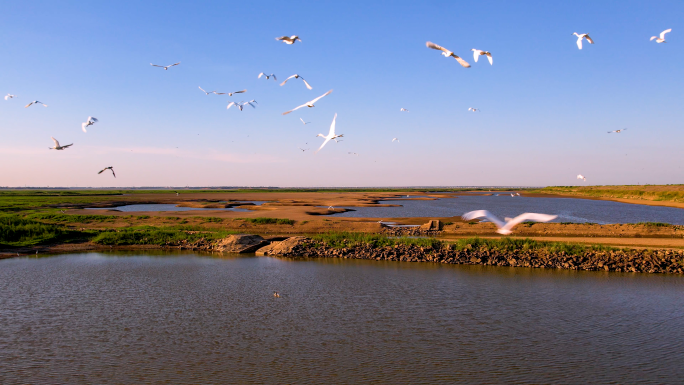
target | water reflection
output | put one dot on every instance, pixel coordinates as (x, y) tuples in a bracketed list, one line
[(182, 318), (567, 209)]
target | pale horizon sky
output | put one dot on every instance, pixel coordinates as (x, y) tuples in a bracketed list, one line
[(545, 106)]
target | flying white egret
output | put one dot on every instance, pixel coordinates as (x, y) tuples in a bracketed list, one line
[(236, 92), (107, 168), (57, 146), (89, 122), (404, 110), (296, 76), (331, 135), (582, 36), (250, 103), (302, 149), (267, 76), (661, 39), (35, 102), (395, 140), (289, 40), (165, 67), (580, 176), (211, 92), (506, 228), (353, 153), (477, 53), (617, 131), (473, 109), (309, 104), (234, 104), (447, 53), (10, 96), (305, 123)]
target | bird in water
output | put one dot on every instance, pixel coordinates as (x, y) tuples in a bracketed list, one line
[(289, 40), (107, 168), (580, 37), (507, 227), (447, 53)]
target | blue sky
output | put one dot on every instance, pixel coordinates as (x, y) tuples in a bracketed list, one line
[(546, 106)]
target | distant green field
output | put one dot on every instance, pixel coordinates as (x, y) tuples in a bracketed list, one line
[(658, 193)]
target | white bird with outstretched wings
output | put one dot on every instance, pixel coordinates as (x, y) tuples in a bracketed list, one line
[(582, 36), (447, 53), (296, 76), (309, 104), (165, 67), (507, 227), (661, 39), (331, 134)]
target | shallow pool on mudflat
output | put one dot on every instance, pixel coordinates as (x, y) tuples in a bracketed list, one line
[(567, 209), (187, 319)]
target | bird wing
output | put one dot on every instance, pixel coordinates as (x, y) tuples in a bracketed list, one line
[(201, 89), (296, 108), (579, 42), (285, 81), (326, 141), (489, 56), (101, 171), (175, 64), (68, 145), (528, 217), (588, 38), (432, 45), (483, 214), (662, 34), (274, 77), (56, 142), (653, 37), (476, 54), (332, 127), (318, 98), (113, 173), (28, 105), (307, 84), (260, 75), (302, 120), (239, 92), (282, 38), (93, 119), (83, 127), (461, 61), (154, 65), (6, 97), (230, 105)]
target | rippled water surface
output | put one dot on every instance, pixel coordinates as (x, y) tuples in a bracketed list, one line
[(567, 209), (168, 207), (188, 319)]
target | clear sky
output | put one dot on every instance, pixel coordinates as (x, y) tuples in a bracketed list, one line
[(545, 106)]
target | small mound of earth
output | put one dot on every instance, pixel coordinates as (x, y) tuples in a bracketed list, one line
[(285, 247), (241, 243)]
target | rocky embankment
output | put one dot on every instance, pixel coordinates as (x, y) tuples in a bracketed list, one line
[(623, 260)]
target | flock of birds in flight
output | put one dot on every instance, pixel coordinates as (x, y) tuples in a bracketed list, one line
[(332, 135)]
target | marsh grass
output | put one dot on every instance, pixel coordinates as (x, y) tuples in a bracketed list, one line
[(347, 239), (658, 193), (66, 218), (17, 231), (167, 235), (269, 221)]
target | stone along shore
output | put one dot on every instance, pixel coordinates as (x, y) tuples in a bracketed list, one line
[(619, 260)]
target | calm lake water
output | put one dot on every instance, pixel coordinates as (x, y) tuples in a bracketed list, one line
[(188, 319), (169, 207), (567, 209)]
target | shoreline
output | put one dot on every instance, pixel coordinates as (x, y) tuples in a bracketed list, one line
[(511, 252)]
